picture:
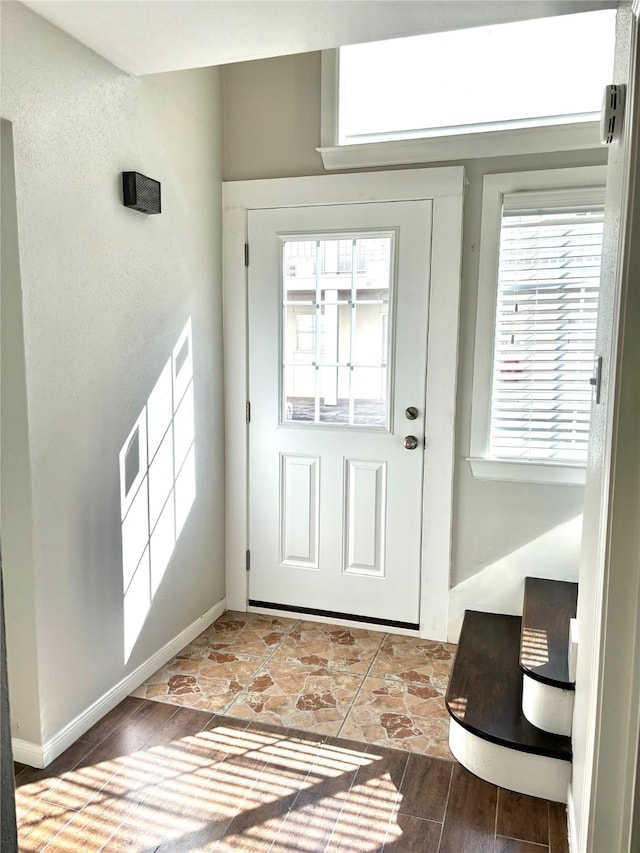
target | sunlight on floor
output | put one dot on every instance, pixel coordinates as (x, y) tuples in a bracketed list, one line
[(190, 790)]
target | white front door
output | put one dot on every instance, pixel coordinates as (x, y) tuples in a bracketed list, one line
[(338, 304)]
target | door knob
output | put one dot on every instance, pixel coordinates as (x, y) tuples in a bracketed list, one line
[(410, 442), (411, 413)]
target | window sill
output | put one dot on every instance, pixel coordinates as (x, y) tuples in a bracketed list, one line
[(527, 472), (494, 143)]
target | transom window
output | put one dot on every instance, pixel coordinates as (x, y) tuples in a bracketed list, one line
[(517, 88), (481, 78)]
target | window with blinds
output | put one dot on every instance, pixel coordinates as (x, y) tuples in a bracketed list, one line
[(546, 314)]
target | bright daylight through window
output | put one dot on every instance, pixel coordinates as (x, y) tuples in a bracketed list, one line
[(508, 76), (335, 343), (545, 327)]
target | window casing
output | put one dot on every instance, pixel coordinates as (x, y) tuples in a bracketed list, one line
[(535, 329)]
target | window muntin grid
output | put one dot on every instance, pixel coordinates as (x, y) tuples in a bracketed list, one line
[(345, 283)]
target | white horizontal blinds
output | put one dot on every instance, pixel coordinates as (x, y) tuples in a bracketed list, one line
[(546, 314)]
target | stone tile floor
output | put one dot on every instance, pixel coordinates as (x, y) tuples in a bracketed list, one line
[(373, 687)]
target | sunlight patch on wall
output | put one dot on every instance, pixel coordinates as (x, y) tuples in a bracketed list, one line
[(157, 485)]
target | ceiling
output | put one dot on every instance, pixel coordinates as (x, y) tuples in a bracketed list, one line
[(149, 36)]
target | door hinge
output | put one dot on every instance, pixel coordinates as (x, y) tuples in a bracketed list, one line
[(247, 412), (248, 558), (246, 254)]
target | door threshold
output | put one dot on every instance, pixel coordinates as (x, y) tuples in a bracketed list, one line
[(312, 614)]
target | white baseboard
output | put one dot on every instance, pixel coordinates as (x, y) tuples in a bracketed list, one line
[(40, 756), (26, 752), (571, 822), (499, 587)]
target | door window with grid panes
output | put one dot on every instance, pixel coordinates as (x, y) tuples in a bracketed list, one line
[(337, 293)]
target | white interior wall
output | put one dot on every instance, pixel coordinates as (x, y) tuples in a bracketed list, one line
[(15, 461), (272, 128), (106, 292)]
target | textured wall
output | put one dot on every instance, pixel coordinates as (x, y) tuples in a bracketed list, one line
[(272, 118), (8, 834), (272, 127), (106, 292), (15, 461)]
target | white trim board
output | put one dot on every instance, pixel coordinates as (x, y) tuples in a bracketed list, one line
[(402, 185), (518, 471), (26, 752), (608, 707), (464, 146), (572, 832), (40, 756), (445, 187)]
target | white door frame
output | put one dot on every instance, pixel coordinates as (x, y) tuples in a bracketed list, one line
[(445, 187), (606, 756)]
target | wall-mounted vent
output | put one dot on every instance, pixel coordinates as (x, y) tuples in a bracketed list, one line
[(612, 114), (140, 192)]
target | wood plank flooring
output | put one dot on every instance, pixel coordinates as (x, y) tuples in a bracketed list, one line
[(155, 778)]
